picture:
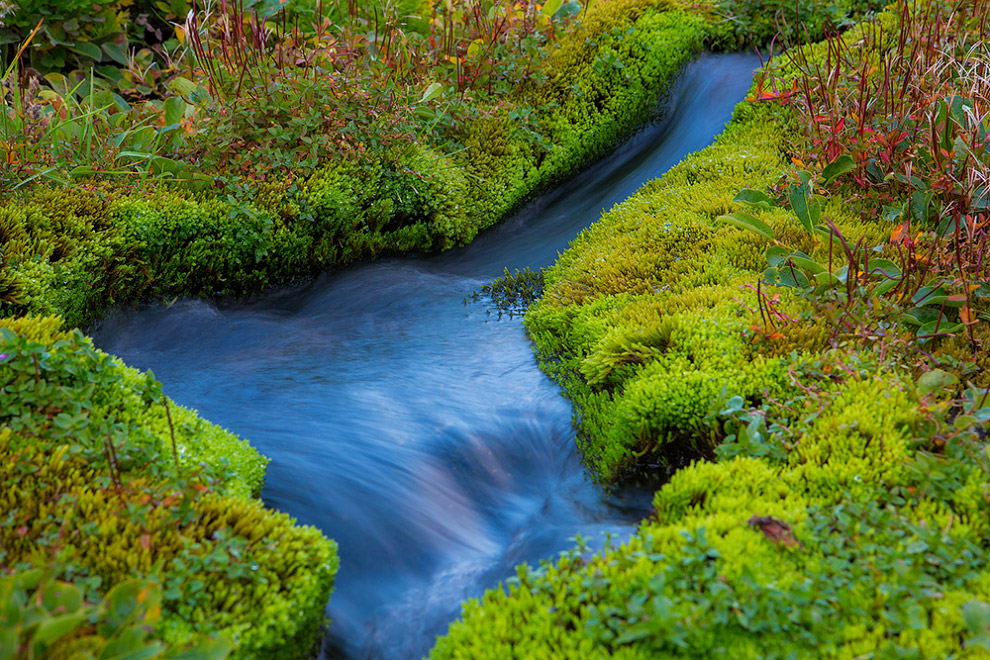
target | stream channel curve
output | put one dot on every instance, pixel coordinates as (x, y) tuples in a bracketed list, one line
[(415, 430)]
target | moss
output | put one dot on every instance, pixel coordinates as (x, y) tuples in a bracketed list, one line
[(94, 488), (843, 513), (851, 573)]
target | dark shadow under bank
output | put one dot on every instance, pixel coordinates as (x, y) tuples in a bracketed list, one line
[(416, 431)]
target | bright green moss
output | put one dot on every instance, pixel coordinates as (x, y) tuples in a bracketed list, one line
[(90, 487), (846, 514), (858, 572), (75, 376)]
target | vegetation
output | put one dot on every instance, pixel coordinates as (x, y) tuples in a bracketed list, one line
[(802, 304), (125, 181), (426, 132), (796, 316), (104, 481)]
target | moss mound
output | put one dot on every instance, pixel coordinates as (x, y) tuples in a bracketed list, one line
[(103, 481)]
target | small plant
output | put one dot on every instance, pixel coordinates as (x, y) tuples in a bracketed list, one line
[(902, 136), (41, 617), (513, 292)]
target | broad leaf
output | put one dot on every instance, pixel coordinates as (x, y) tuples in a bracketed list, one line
[(431, 92), (935, 380), (801, 260), (551, 6), (837, 167), (748, 222), (755, 199), (775, 255)]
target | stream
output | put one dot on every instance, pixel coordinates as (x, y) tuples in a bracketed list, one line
[(414, 429)]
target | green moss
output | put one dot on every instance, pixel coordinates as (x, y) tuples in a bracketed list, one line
[(859, 570), (844, 511), (94, 489)]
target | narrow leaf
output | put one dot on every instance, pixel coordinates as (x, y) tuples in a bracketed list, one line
[(748, 222), (800, 206)]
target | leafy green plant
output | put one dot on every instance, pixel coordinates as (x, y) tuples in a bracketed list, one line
[(71, 33), (41, 617), (513, 292)]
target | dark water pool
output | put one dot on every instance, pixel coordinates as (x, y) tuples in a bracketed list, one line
[(416, 430)]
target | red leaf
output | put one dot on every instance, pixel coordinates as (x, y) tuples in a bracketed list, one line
[(776, 531)]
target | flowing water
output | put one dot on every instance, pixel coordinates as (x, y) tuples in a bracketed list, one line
[(413, 428)]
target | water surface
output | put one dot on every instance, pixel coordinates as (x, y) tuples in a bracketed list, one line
[(416, 430)]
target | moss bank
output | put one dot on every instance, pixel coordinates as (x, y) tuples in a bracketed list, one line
[(843, 508)]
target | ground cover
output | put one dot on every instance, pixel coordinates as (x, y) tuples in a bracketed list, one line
[(151, 152), (129, 181), (793, 323), (271, 170)]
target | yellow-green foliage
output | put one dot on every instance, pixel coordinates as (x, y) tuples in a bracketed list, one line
[(865, 568), (603, 80), (125, 395), (93, 488), (76, 253), (45, 618), (845, 512), (648, 339)]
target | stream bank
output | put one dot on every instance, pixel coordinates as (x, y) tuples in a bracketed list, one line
[(416, 431)]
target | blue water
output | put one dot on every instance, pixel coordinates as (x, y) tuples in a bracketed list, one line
[(414, 429)]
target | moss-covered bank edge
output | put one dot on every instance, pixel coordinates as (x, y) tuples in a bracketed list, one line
[(77, 253), (850, 520)]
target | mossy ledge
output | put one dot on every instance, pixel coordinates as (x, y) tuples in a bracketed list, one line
[(78, 252), (104, 480), (843, 509)]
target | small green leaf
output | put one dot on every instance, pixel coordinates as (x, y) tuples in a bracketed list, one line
[(55, 628), (793, 278), (976, 615), (174, 109), (801, 260), (893, 213), (204, 649), (837, 167), (86, 49), (115, 53), (935, 380), (551, 6), (431, 92), (941, 327), (885, 267), (786, 276), (919, 204), (775, 255), (801, 205), (884, 287), (748, 222), (755, 199), (161, 165), (925, 294)]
